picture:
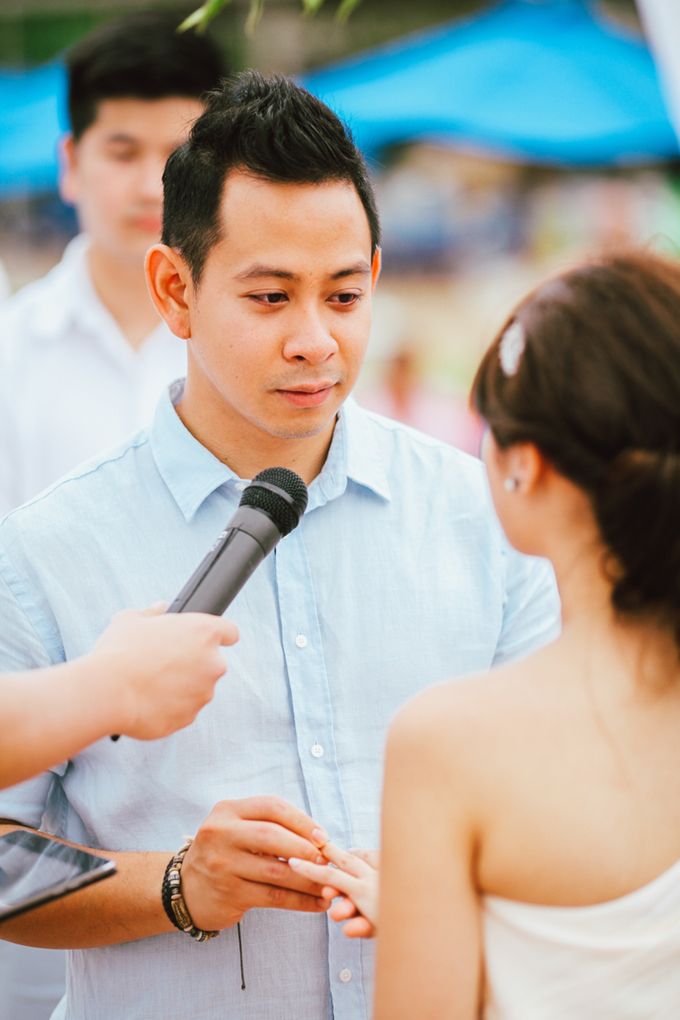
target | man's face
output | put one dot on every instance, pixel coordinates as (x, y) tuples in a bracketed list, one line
[(280, 320), (113, 172)]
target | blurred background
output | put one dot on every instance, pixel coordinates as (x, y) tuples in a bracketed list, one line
[(506, 139)]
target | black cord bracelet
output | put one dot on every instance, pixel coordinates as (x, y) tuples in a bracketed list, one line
[(173, 901)]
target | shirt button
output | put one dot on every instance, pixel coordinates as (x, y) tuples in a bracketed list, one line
[(301, 641), (345, 975), (317, 751)]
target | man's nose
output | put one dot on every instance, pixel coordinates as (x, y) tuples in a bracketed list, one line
[(310, 340), (151, 179)]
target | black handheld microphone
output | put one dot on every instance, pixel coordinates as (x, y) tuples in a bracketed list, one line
[(270, 507)]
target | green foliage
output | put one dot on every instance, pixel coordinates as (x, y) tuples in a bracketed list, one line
[(203, 15), (345, 9)]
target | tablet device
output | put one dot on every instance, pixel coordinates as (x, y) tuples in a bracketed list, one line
[(35, 870)]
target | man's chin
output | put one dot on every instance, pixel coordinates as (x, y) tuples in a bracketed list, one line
[(305, 429)]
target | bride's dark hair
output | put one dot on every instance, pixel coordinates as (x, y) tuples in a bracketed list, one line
[(591, 375)]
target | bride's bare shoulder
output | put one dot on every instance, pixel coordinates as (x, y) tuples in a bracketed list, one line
[(481, 705)]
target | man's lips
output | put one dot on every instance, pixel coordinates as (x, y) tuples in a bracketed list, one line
[(150, 224), (308, 395)]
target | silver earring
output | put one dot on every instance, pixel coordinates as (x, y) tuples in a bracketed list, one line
[(511, 484)]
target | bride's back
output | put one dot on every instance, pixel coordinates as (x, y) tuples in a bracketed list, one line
[(578, 770)]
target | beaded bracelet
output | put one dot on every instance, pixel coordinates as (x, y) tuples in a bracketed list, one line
[(173, 901)]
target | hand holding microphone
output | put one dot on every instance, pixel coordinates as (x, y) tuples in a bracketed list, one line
[(159, 671), (270, 507), (148, 675)]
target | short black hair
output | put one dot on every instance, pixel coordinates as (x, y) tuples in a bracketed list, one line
[(141, 56), (269, 127)]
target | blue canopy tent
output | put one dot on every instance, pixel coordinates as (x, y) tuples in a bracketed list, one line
[(541, 81), (30, 105)]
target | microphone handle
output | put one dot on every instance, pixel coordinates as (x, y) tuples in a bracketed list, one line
[(238, 550), (214, 585)]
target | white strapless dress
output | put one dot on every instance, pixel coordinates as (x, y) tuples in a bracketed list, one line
[(618, 960)]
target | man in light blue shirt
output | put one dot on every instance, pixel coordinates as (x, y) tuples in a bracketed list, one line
[(396, 577)]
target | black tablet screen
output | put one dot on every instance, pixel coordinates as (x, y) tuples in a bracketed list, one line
[(35, 869)]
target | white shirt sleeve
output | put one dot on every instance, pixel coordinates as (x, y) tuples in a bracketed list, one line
[(21, 649)]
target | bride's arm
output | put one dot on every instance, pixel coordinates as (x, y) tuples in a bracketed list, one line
[(429, 955)]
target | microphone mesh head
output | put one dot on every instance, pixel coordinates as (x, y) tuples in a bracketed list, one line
[(285, 507)]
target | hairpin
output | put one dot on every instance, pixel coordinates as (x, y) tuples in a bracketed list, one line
[(511, 347)]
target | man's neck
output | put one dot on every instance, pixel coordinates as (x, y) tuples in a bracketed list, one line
[(121, 287), (247, 450)]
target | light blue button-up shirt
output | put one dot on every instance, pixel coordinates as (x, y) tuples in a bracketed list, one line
[(396, 577)]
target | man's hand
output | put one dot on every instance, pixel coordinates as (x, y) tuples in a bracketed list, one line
[(159, 669), (354, 878), (238, 860)]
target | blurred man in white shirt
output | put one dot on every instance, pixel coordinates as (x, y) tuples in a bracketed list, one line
[(83, 353)]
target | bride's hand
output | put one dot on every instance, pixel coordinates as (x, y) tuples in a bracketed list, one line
[(352, 876)]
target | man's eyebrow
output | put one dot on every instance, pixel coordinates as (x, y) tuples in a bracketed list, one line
[(261, 271), (257, 271), (120, 137), (358, 269)]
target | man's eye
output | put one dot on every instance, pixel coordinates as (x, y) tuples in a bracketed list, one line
[(274, 298), (346, 297), (122, 155)]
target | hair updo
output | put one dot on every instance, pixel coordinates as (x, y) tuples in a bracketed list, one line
[(594, 383)]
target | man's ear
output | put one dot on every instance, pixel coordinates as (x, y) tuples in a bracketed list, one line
[(376, 266), (68, 188), (169, 281)]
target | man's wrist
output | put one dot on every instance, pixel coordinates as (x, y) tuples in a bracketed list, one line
[(173, 899), (87, 685), (113, 685)]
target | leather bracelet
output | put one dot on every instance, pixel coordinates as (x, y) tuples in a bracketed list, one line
[(173, 901)]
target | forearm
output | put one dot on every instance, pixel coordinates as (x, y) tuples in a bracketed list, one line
[(119, 909), (48, 715)]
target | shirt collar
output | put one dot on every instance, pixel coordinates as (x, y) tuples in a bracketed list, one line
[(355, 454), (77, 304), (70, 280), (192, 473)]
